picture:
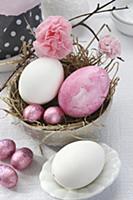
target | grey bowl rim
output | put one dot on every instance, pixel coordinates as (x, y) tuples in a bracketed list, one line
[(120, 19)]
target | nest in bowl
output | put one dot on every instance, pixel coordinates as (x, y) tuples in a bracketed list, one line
[(71, 128), (80, 57)]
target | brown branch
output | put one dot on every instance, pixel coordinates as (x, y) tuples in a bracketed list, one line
[(26, 56), (96, 11), (110, 62), (82, 21), (121, 59), (91, 30), (102, 11), (103, 26), (113, 9)]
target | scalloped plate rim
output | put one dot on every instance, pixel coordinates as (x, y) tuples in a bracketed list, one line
[(91, 194)]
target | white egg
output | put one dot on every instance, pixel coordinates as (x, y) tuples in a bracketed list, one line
[(78, 164), (40, 80)]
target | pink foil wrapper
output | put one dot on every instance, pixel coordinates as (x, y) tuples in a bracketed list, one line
[(16, 7)]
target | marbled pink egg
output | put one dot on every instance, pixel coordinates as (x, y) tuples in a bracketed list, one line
[(84, 91)]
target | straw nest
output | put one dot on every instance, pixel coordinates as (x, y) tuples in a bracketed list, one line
[(80, 57)]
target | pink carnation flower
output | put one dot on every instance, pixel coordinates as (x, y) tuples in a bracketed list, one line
[(110, 46), (53, 38)]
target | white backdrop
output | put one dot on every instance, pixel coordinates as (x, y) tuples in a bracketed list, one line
[(117, 133)]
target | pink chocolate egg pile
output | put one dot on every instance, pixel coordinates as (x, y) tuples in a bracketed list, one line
[(84, 91), (20, 159), (35, 112)]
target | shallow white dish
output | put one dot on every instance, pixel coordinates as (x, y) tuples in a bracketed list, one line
[(9, 64), (106, 178), (124, 19)]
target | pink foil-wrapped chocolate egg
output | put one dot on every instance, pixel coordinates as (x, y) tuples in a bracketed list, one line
[(8, 176), (33, 112), (22, 158), (84, 91), (53, 115), (7, 148)]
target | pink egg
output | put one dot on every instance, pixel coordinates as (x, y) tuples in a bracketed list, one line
[(8, 176), (7, 148), (33, 113), (22, 158), (84, 91), (53, 115)]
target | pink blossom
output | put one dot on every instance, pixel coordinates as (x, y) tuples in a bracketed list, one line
[(110, 46), (53, 38)]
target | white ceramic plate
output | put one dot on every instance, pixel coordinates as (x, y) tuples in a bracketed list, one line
[(106, 178)]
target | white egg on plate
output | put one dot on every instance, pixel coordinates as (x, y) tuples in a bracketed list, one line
[(78, 164), (40, 80)]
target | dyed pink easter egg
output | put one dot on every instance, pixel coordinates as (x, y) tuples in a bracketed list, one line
[(84, 91)]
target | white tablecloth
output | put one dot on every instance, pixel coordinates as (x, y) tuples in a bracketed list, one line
[(118, 133)]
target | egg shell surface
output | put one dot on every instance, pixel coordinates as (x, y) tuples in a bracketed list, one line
[(84, 91), (78, 164), (40, 80)]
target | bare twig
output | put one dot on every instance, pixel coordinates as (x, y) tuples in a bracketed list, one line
[(102, 11), (97, 10), (12, 74), (102, 27), (110, 62), (26, 53), (91, 30), (28, 24), (121, 59)]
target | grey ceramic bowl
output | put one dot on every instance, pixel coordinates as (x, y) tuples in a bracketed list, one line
[(124, 19)]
